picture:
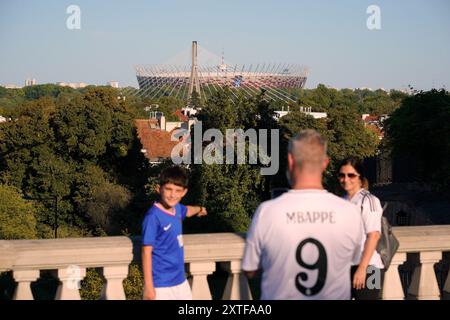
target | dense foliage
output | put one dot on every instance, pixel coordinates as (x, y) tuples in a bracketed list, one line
[(76, 152)]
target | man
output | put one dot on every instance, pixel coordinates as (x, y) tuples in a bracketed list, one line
[(306, 240)]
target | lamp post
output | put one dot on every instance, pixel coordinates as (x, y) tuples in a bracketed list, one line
[(56, 218)]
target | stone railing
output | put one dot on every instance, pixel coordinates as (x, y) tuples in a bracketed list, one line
[(423, 247)]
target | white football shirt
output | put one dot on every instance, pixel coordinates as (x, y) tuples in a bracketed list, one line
[(371, 211), (305, 241)]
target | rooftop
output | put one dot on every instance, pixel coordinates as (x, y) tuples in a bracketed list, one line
[(156, 142)]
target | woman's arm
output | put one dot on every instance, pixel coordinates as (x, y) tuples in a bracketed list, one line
[(359, 279)]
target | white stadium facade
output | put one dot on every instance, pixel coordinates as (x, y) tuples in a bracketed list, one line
[(276, 79)]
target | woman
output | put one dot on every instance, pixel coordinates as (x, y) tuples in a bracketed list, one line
[(352, 180)]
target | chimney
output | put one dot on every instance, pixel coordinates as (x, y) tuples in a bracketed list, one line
[(161, 120)]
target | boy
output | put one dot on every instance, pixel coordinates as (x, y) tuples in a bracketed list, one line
[(162, 240)]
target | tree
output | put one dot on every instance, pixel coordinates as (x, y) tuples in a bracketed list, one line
[(107, 202), (74, 148), (231, 192), (219, 112), (17, 216), (290, 125), (349, 137), (44, 90), (419, 131), (195, 100)]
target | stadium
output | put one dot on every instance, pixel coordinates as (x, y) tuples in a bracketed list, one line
[(207, 74)]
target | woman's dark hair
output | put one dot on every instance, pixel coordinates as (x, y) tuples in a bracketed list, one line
[(176, 175), (359, 167)]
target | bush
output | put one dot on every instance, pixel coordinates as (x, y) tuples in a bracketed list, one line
[(134, 283), (92, 285)]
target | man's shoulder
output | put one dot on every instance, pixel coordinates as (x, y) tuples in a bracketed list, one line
[(325, 198), (339, 201), (270, 204)]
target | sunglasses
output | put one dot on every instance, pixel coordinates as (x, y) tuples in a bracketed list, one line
[(349, 175)]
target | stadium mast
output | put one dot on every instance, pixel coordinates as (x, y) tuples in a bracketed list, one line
[(194, 80)]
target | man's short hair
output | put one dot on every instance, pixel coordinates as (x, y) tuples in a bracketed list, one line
[(308, 148), (176, 175)]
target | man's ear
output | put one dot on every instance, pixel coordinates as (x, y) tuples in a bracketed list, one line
[(290, 161), (158, 189)]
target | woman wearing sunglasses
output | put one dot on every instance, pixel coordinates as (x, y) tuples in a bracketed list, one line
[(370, 268)]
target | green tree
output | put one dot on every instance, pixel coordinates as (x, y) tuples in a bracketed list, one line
[(349, 137), (44, 90), (419, 131), (17, 216), (290, 125), (74, 148), (231, 192)]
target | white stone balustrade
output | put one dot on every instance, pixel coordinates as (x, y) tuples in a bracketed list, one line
[(69, 258), (202, 251), (429, 242)]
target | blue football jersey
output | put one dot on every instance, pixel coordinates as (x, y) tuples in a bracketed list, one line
[(163, 231)]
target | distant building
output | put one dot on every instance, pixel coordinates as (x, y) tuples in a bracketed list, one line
[(189, 111), (157, 144), (155, 134), (30, 82), (306, 110), (11, 86), (114, 84), (74, 85), (364, 88), (408, 91), (375, 124)]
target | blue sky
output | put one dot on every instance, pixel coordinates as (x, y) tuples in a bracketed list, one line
[(329, 37)]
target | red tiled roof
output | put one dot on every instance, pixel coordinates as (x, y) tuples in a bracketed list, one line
[(371, 118), (181, 116), (157, 142)]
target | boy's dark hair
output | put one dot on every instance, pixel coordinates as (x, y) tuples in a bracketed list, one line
[(176, 175)]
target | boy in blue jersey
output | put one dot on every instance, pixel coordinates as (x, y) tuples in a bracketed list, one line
[(162, 239)]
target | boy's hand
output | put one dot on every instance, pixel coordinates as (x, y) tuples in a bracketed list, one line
[(149, 293), (196, 211), (202, 212)]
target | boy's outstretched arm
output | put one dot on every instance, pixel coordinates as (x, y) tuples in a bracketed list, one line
[(149, 289), (196, 210)]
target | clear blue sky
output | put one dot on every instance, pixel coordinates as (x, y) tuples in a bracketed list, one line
[(330, 37)]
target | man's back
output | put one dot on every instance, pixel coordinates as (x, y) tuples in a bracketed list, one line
[(305, 241)]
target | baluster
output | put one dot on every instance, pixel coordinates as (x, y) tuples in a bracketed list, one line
[(392, 286), (199, 282), (237, 287), (69, 286), (424, 285), (114, 276), (446, 288), (24, 279)]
